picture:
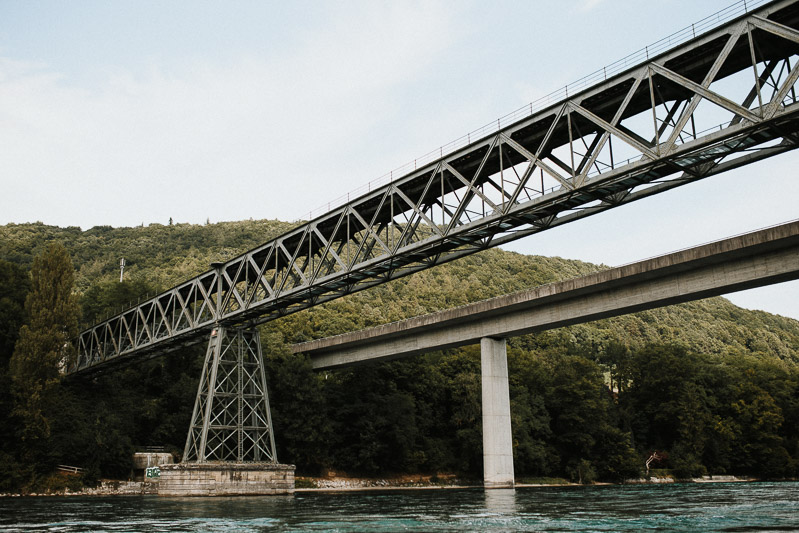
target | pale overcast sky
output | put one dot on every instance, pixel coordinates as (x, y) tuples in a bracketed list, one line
[(128, 112)]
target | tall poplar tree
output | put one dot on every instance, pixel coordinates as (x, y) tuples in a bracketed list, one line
[(44, 347), (14, 286)]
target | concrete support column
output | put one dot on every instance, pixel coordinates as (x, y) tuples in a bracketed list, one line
[(497, 439)]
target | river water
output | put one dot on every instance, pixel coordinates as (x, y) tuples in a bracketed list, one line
[(733, 507)]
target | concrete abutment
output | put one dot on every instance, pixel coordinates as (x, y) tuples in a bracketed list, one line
[(226, 479)]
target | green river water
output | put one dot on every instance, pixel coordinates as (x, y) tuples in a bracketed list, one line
[(733, 507)]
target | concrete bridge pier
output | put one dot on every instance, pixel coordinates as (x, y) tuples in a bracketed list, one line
[(497, 438)]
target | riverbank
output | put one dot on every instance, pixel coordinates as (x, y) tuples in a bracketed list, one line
[(351, 484), (336, 484), (108, 487)]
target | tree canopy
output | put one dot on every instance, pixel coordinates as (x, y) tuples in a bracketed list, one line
[(44, 347), (711, 387)]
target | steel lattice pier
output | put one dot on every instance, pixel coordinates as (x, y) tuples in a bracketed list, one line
[(231, 420)]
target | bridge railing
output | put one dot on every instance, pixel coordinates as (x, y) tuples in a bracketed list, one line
[(70, 469), (734, 10)]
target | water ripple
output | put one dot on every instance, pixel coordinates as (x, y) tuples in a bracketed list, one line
[(724, 507)]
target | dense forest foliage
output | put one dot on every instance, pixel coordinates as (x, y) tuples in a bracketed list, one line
[(711, 387)]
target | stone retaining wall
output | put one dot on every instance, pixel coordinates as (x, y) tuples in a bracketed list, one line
[(142, 460), (220, 479)]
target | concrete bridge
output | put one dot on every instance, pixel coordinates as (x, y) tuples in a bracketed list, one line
[(752, 260)]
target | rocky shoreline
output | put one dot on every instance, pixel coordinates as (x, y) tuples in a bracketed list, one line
[(337, 484), (104, 488), (343, 484)]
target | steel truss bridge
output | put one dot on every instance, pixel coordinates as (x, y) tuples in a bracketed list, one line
[(720, 100)]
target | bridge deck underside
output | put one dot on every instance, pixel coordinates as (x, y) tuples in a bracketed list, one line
[(751, 260), (721, 100)]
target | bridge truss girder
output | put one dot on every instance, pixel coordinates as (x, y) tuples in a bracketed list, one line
[(725, 99)]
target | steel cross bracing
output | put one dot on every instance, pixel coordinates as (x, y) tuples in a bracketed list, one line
[(231, 419), (722, 100)]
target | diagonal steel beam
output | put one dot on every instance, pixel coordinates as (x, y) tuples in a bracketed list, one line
[(708, 79), (645, 150), (567, 183), (372, 255), (716, 98), (786, 32)]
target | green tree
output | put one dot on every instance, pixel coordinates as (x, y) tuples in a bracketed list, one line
[(668, 399), (758, 447), (461, 372), (14, 287), (617, 358), (44, 347), (584, 423), (576, 402), (300, 415), (374, 420), (110, 296), (533, 452)]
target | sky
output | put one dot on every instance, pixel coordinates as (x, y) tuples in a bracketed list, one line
[(134, 112)]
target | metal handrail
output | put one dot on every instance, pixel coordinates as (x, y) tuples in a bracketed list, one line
[(70, 469)]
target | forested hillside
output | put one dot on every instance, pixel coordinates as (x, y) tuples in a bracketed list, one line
[(710, 386)]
